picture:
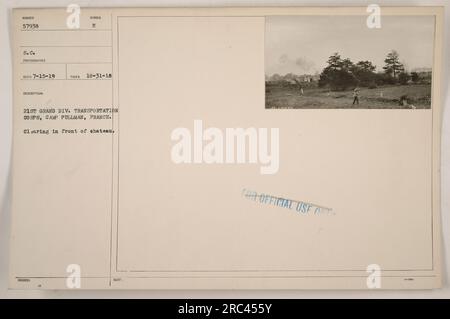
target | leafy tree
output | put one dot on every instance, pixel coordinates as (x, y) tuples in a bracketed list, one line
[(338, 74), (393, 66), (275, 77), (366, 66), (415, 77), (364, 72), (335, 61), (347, 64)]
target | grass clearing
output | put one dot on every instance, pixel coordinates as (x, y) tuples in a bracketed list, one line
[(385, 97)]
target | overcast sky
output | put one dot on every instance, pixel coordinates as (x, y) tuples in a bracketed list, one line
[(302, 45)]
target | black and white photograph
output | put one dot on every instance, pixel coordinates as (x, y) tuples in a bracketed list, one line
[(339, 62)]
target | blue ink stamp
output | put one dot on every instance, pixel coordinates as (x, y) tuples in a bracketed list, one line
[(300, 207)]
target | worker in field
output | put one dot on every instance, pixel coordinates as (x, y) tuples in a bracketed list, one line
[(300, 86), (356, 96), (403, 100)]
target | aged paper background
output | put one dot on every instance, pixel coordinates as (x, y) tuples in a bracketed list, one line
[(308, 185)]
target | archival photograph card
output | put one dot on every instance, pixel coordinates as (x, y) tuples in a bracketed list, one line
[(226, 148)]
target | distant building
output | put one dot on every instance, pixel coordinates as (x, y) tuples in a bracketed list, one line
[(293, 78)]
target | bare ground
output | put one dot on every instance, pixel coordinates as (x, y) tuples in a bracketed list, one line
[(386, 97)]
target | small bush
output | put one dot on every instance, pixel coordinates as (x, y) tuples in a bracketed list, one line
[(403, 78)]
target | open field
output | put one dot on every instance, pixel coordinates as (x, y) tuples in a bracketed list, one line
[(385, 97)]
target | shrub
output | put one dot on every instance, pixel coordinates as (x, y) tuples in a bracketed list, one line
[(403, 78)]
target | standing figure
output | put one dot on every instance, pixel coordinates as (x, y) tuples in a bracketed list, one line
[(403, 100), (300, 86), (356, 96)]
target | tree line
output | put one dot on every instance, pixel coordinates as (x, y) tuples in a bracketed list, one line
[(342, 73)]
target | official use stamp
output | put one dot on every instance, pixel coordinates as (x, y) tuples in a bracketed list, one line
[(301, 207)]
